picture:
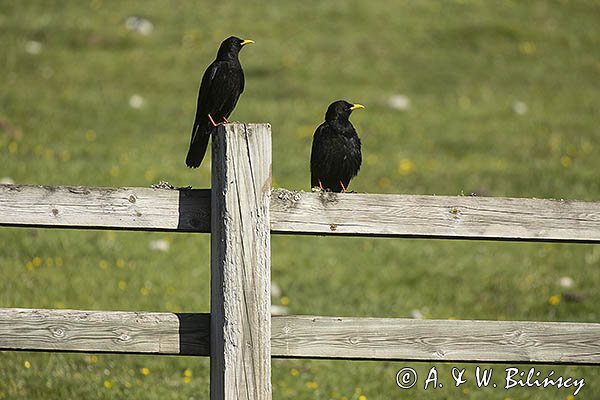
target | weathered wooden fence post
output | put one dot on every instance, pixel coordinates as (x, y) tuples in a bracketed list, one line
[(240, 355)]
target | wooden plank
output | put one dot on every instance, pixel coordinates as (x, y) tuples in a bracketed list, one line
[(240, 360), (435, 340), (456, 217), (306, 337), (104, 331), (131, 208)]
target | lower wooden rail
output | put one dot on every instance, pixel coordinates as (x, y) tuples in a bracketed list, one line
[(104, 331), (306, 337)]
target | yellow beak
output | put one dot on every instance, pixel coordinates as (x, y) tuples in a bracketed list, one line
[(355, 106), (247, 41)]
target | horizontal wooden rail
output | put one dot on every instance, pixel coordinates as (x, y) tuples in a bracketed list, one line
[(436, 340), (130, 208), (307, 337), (458, 217), (104, 331), (185, 210)]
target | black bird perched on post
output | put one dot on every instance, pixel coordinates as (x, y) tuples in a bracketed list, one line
[(220, 89), (335, 157)]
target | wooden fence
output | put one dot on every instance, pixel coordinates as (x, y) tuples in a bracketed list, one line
[(240, 211)]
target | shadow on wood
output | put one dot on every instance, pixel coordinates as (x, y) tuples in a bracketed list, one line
[(194, 334), (194, 210)]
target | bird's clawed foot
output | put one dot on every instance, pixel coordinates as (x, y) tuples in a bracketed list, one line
[(319, 188), (322, 188), (212, 121)]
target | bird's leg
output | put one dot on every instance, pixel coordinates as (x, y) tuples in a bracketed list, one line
[(212, 120), (321, 185), (343, 187)]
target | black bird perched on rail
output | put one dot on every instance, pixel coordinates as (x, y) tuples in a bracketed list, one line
[(220, 89), (335, 157)]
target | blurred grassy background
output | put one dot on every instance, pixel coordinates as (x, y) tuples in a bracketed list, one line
[(503, 100)]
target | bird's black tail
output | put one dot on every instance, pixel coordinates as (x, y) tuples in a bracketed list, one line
[(198, 146)]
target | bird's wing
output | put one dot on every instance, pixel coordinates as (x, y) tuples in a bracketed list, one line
[(227, 85), (320, 163), (316, 152), (204, 93), (354, 159), (242, 80)]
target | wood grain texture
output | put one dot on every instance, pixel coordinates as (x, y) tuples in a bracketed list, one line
[(354, 214), (457, 217), (240, 360), (131, 208), (435, 340), (306, 337), (104, 331)]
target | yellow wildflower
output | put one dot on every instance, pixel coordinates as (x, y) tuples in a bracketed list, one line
[(554, 300), (90, 135), (566, 161), (586, 147), (527, 48), (405, 167)]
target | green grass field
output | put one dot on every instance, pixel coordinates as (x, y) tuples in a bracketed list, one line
[(504, 101)]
